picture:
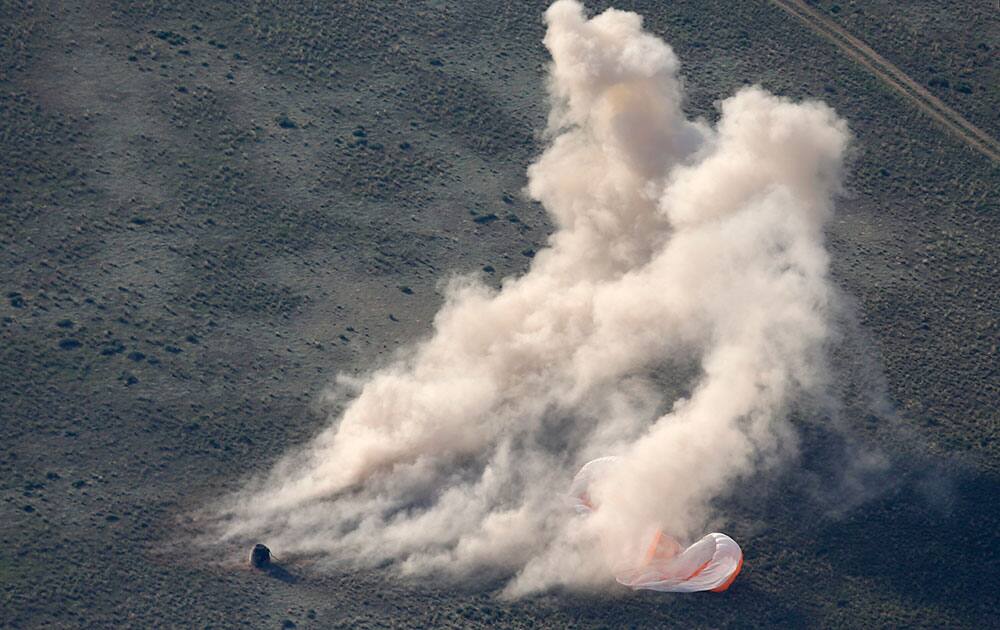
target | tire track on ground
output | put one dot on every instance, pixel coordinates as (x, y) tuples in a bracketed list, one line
[(892, 76)]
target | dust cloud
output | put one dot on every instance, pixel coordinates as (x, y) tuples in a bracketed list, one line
[(676, 244)]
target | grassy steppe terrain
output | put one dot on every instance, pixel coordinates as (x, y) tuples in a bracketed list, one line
[(207, 210), (949, 48)]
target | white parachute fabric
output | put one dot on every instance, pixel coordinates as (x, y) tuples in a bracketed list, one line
[(710, 564), (579, 490)]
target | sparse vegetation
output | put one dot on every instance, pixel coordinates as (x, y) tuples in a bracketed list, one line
[(185, 271), (949, 48)]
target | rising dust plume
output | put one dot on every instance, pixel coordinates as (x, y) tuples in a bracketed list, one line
[(675, 244)]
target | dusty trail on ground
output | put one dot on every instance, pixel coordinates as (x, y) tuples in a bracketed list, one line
[(893, 77)]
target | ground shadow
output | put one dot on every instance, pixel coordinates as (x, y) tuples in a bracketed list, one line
[(923, 529), (280, 573)]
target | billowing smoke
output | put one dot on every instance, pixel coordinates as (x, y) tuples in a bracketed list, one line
[(678, 247)]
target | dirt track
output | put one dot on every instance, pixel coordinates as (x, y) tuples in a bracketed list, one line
[(894, 78), (209, 210)]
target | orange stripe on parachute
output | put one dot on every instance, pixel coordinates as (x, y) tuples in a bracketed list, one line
[(699, 569), (729, 580), (653, 546)]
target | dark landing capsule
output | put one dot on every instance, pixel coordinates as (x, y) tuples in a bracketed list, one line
[(260, 557)]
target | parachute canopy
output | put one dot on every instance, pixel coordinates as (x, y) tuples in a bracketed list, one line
[(710, 564)]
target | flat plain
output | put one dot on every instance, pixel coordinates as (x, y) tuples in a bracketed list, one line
[(209, 210)]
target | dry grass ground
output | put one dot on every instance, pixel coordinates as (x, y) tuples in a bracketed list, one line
[(207, 210)]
